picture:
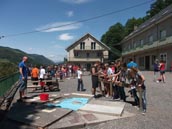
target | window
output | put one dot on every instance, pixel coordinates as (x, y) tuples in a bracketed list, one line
[(134, 45), (162, 34), (99, 54), (150, 38), (82, 45), (141, 43), (138, 44), (163, 56), (131, 45), (76, 54), (128, 47), (93, 45)]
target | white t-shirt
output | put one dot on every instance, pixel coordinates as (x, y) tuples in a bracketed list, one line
[(79, 74), (109, 71), (42, 73)]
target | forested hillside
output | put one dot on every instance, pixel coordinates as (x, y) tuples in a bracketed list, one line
[(9, 59)]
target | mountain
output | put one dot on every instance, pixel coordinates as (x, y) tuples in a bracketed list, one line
[(9, 59), (15, 56)]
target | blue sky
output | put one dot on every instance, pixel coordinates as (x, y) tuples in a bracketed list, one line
[(20, 16)]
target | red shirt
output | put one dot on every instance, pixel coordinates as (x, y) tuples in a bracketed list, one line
[(162, 66)]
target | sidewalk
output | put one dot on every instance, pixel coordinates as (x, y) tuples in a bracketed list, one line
[(158, 116)]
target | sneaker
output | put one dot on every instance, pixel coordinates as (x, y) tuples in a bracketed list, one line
[(25, 97), (107, 95), (117, 99), (137, 108), (144, 112), (83, 90), (95, 96)]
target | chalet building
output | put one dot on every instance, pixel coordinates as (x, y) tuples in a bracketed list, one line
[(86, 51), (151, 40)]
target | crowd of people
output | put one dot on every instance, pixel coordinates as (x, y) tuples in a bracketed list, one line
[(39, 74), (111, 78)]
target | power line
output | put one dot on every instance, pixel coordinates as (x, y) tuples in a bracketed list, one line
[(84, 20)]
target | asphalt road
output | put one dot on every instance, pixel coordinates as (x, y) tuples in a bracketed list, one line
[(159, 105), (159, 108)]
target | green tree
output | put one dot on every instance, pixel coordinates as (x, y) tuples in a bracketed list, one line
[(156, 7), (112, 38), (114, 35), (131, 24), (7, 68)]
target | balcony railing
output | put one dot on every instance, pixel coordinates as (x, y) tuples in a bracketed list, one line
[(89, 48), (78, 59), (151, 45)]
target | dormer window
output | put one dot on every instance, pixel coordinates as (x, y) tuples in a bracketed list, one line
[(93, 45), (82, 45)]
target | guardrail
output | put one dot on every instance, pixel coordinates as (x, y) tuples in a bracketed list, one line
[(7, 82)]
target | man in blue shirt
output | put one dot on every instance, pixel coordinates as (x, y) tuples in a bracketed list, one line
[(23, 78), (132, 64)]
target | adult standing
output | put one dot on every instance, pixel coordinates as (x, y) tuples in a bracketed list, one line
[(23, 78), (120, 79), (94, 78), (35, 74)]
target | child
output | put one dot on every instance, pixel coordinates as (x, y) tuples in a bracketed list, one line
[(139, 79)]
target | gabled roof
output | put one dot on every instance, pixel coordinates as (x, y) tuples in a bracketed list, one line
[(83, 38)]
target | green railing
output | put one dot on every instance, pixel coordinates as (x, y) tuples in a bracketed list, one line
[(7, 82)]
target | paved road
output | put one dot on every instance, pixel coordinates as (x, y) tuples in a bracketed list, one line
[(159, 113)]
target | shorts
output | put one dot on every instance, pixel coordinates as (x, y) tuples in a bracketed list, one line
[(22, 85), (162, 72), (95, 81)]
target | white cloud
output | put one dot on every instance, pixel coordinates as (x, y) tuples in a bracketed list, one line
[(59, 26), (70, 13), (76, 1), (65, 37)]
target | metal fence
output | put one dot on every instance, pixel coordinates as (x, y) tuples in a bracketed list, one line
[(7, 82)]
